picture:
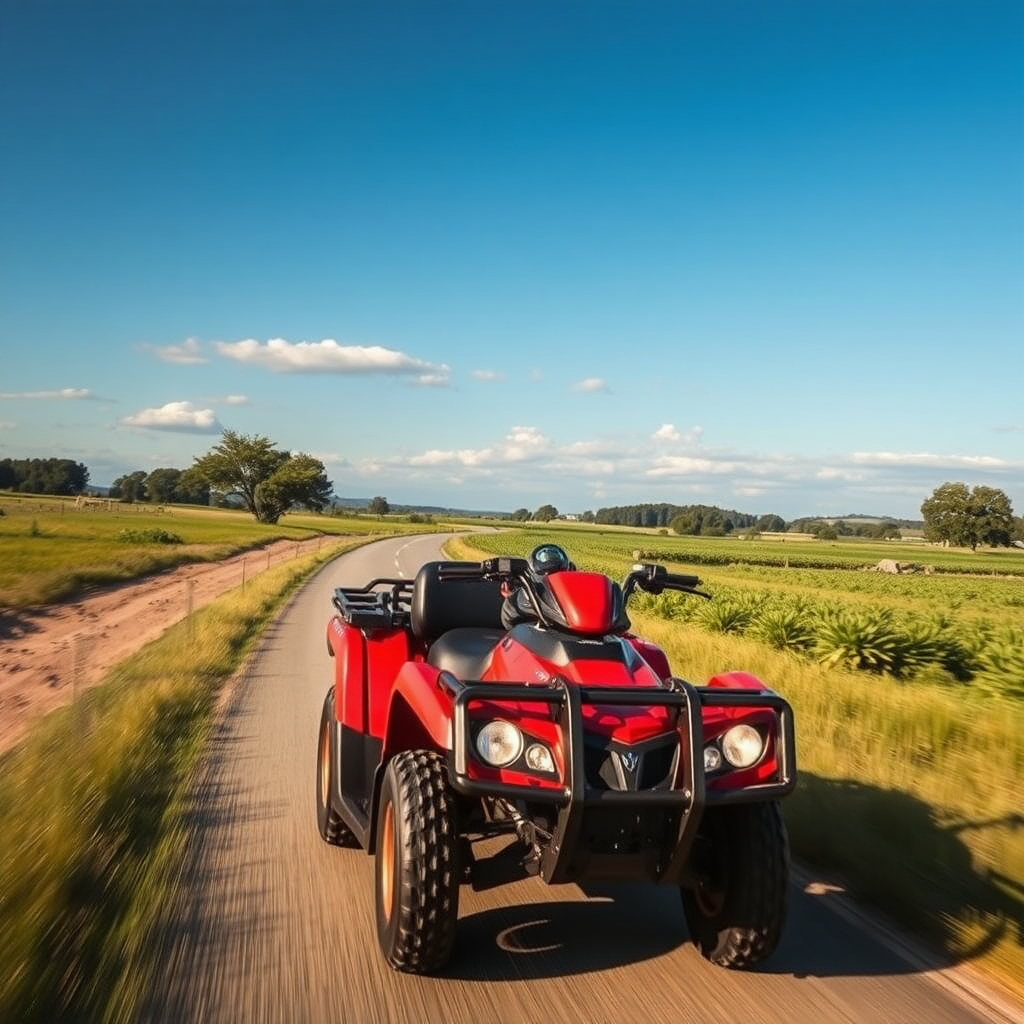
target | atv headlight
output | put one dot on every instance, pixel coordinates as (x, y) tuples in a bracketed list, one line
[(712, 758), (499, 743), (539, 758), (742, 746)]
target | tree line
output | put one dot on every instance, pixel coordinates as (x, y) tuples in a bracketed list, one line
[(43, 476)]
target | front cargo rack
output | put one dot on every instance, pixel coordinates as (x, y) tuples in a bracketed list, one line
[(367, 607)]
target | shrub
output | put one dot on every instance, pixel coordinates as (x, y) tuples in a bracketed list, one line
[(152, 536), (725, 616), (859, 640), (784, 628)]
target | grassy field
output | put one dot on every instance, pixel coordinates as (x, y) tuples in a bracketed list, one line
[(909, 789), (49, 549), (92, 806)]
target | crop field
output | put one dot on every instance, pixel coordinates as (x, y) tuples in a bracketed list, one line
[(910, 777), (49, 549), (778, 551)]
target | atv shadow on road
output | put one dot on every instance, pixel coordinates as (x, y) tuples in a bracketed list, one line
[(898, 859)]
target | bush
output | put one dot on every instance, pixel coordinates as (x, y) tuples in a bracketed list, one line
[(152, 536), (785, 628), (725, 616)]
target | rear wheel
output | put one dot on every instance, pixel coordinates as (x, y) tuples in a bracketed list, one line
[(736, 913), (329, 823), (417, 876)]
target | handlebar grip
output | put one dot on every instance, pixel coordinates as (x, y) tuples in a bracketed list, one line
[(460, 572), (681, 580)]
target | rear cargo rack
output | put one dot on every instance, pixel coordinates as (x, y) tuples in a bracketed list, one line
[(367, 607)]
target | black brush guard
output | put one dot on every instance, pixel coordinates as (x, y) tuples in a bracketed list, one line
[(576, 800)]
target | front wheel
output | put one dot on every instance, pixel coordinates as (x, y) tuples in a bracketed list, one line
[(417, 876), (736, 912)]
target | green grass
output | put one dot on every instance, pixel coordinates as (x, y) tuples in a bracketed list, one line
[(92, 806), (909, 790), (49, 550)]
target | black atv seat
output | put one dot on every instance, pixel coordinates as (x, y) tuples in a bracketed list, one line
[(459, 621), (466, 653)]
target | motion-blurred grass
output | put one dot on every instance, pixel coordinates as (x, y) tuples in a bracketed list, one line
[(50, 550), (91, 806)]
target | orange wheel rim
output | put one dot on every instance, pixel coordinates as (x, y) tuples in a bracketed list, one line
[(387, 861), (325, 764)]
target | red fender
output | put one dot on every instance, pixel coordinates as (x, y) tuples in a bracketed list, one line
[(420, 712), (347, 646), (737, 681)]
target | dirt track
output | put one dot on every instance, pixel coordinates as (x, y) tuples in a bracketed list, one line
[(43, 650)]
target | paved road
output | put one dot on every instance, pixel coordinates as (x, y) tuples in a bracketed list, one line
[(272, 925)]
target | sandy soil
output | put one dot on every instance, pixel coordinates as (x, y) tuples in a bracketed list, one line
[(49, 654)]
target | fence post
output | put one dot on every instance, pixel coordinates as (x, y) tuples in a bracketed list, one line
[(190, 607)]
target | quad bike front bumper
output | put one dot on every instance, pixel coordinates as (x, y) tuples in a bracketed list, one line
[(627, 834)]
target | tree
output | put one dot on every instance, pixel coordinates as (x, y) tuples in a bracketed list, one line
[(587, 517), (954, 514), (770, 524), (1017, 533), (521, 515), (378, 506), (192, 488), (269, 481), (545, 514), (43, 476), (161, 485), (300, 480), (130, 487)]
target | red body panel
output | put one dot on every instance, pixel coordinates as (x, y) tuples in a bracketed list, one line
[(651, 653), (349, 647), (387, 651), (513, 661), (585, 599), (419, 712)]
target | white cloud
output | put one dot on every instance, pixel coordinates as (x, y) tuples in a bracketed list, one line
[(432, 380), (188, 353), (528, 465), (236, 399), (928, 459), (488, 375), (7, 424), (59, 393), (1010, 428), (181, 417), (591, 385), (327, 356), (666, 432)]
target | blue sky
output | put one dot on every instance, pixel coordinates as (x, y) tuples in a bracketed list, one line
[(767, 256)]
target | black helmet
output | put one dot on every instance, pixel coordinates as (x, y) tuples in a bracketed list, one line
[(549, 558)]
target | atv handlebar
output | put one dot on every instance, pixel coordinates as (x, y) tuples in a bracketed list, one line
[(653, 579), (489, 569)]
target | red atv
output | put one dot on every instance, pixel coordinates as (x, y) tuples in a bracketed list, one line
[(508, 698)]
